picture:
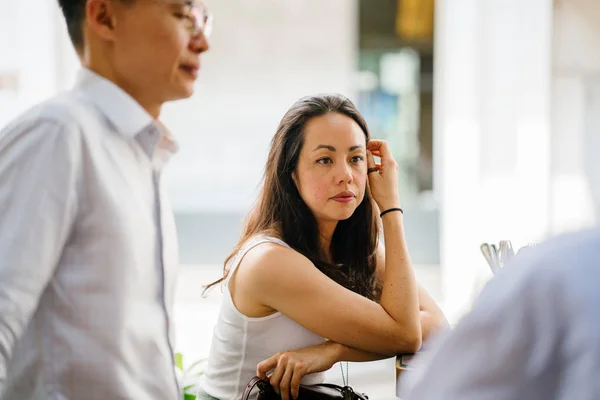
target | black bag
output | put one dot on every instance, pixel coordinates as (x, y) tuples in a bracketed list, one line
[(323, 391)]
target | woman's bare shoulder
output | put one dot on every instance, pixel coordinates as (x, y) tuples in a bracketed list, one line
[(271, 257)]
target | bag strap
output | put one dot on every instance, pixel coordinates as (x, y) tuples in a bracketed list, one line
[(253, 382)]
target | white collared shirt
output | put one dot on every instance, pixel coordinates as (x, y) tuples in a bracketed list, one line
[(88, 250), (534, 333)]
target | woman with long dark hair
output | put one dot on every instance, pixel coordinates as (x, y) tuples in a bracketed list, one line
[(311, 281)]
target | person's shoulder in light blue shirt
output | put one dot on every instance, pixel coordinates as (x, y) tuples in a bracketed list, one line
[(534, 332)]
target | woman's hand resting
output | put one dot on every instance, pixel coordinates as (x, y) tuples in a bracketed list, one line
[(291, 366)]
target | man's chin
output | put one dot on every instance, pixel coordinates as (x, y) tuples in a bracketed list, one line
[(182, 94)]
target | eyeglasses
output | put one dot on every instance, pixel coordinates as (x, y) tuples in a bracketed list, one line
[(203, 22), (198, 20), (196, 17)]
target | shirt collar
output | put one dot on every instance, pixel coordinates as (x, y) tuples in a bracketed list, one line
[(126, 114), (167, 140)]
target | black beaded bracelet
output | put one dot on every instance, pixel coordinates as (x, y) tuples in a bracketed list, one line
[(390, 210)]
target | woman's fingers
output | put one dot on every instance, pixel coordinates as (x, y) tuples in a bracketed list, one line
[(277, 375), (265, 366), (299, 373), (286, 380), (380, 148)]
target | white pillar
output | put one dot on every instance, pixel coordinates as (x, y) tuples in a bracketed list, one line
[(456, 141), (576, 112), (491, 129)]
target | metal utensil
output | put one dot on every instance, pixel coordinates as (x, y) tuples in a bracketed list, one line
[(487, 252), (505, 252), (496, 256), (511, 251)]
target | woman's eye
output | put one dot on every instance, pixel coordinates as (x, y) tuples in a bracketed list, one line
[(357, 159), (324, 160)]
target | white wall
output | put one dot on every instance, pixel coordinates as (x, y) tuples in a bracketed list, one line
[(576, 112), (28, 43), (265, 55)]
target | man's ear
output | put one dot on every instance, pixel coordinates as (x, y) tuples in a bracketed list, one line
[(101, 18)]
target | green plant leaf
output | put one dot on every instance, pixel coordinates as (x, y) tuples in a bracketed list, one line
[(179, 361), (189, 397)]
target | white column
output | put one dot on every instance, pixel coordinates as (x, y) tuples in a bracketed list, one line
[(491, 129), (576, 112), (457, 134)]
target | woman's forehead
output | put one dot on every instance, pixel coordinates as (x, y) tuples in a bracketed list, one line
[(333, 128)]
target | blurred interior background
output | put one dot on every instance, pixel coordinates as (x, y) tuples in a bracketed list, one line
[(487, 105)]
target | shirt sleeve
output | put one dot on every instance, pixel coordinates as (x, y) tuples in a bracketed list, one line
[(39, 164), (504, 344)]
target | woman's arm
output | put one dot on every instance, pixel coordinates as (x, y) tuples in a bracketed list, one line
[(291, 366), (431, 316), (278, 278), (283, 280), (328, 353)]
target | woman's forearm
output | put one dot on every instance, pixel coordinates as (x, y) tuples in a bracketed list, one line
[(431, 322), (340, 352), (400, 290)]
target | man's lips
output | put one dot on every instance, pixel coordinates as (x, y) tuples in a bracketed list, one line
[(192, 69)]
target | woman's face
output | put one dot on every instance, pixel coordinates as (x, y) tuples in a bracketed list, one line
[(331, 175)]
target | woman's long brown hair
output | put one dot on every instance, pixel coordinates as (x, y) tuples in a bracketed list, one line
[(281, 212)]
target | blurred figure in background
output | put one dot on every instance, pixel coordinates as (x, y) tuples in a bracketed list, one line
[(87, 240), (311, 263), (534, 332)]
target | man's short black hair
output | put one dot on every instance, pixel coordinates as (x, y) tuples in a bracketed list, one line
[(74, 13)]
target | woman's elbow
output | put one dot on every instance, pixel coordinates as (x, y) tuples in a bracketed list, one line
[(410, 342), (414, 344)]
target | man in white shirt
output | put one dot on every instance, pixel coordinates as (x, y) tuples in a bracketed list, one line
[(534, 332), (87, 240)]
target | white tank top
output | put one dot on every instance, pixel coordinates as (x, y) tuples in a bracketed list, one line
[(239, 342)]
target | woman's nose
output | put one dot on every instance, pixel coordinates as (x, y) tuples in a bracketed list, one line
[(345, 174)]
